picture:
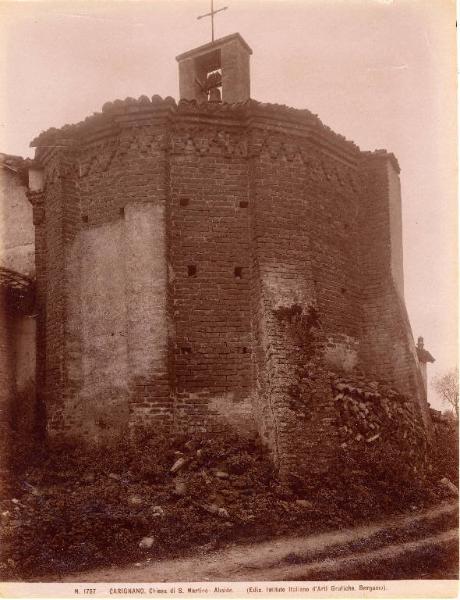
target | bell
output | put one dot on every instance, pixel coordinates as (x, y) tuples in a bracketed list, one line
[(214, 95)]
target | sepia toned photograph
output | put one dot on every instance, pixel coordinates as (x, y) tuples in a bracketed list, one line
[(228, 282)]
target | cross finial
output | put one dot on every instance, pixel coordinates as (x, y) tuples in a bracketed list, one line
[(211, 14)]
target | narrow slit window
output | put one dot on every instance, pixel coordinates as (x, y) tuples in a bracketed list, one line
[(238, 272), (122, 211), (84, 218), (191, 270)]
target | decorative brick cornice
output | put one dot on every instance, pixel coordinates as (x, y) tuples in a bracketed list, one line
[(115, 114), (107, 119), (122, 118)]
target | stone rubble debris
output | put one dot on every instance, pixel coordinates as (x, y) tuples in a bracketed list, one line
[(135, 501), (215, 487), (304, 503), (178, 465), (146, 543), (373, 412), (180, 487), (157, 511), (213, 509), (449, 486)]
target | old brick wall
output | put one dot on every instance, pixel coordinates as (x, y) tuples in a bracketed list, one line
[(210, 269), (335, 198), (123, 194), (388, 350), (173, 236), (54, 290), (281, 246), (105, 284), (36, 198), (304, 245), (396, 234)]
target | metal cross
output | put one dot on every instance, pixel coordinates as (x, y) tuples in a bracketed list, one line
[(211, 14)]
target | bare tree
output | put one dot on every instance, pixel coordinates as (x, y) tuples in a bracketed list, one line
[(447, 387)]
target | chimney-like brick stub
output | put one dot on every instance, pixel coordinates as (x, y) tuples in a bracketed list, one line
[(36, 180)]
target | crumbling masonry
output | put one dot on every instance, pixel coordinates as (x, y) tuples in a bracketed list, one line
[(172, 238)]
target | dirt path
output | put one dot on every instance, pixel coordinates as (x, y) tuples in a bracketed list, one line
[(331, 555)]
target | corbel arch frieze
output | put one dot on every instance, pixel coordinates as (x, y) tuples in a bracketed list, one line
[(208, 140), (276, 147), (138, 141)]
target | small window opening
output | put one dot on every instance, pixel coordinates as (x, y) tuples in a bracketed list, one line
[(238, 272), (122, 211), (244, 350), (84, 218), (243, 204), (186, 350), (184, 202), (191, 270), (343, 290)]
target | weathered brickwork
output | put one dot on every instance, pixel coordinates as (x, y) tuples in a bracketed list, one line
[(388, 350), (36, 198), (170, 239), (210, 270)]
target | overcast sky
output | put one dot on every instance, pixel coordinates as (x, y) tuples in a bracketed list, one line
[(380, 72)]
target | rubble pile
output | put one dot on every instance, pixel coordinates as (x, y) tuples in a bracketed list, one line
[(158, 496), (374, 413), (444, 455), (155, 498)]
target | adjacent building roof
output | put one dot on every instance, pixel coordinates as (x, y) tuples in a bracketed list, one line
[(16, 165), (17, 289)]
